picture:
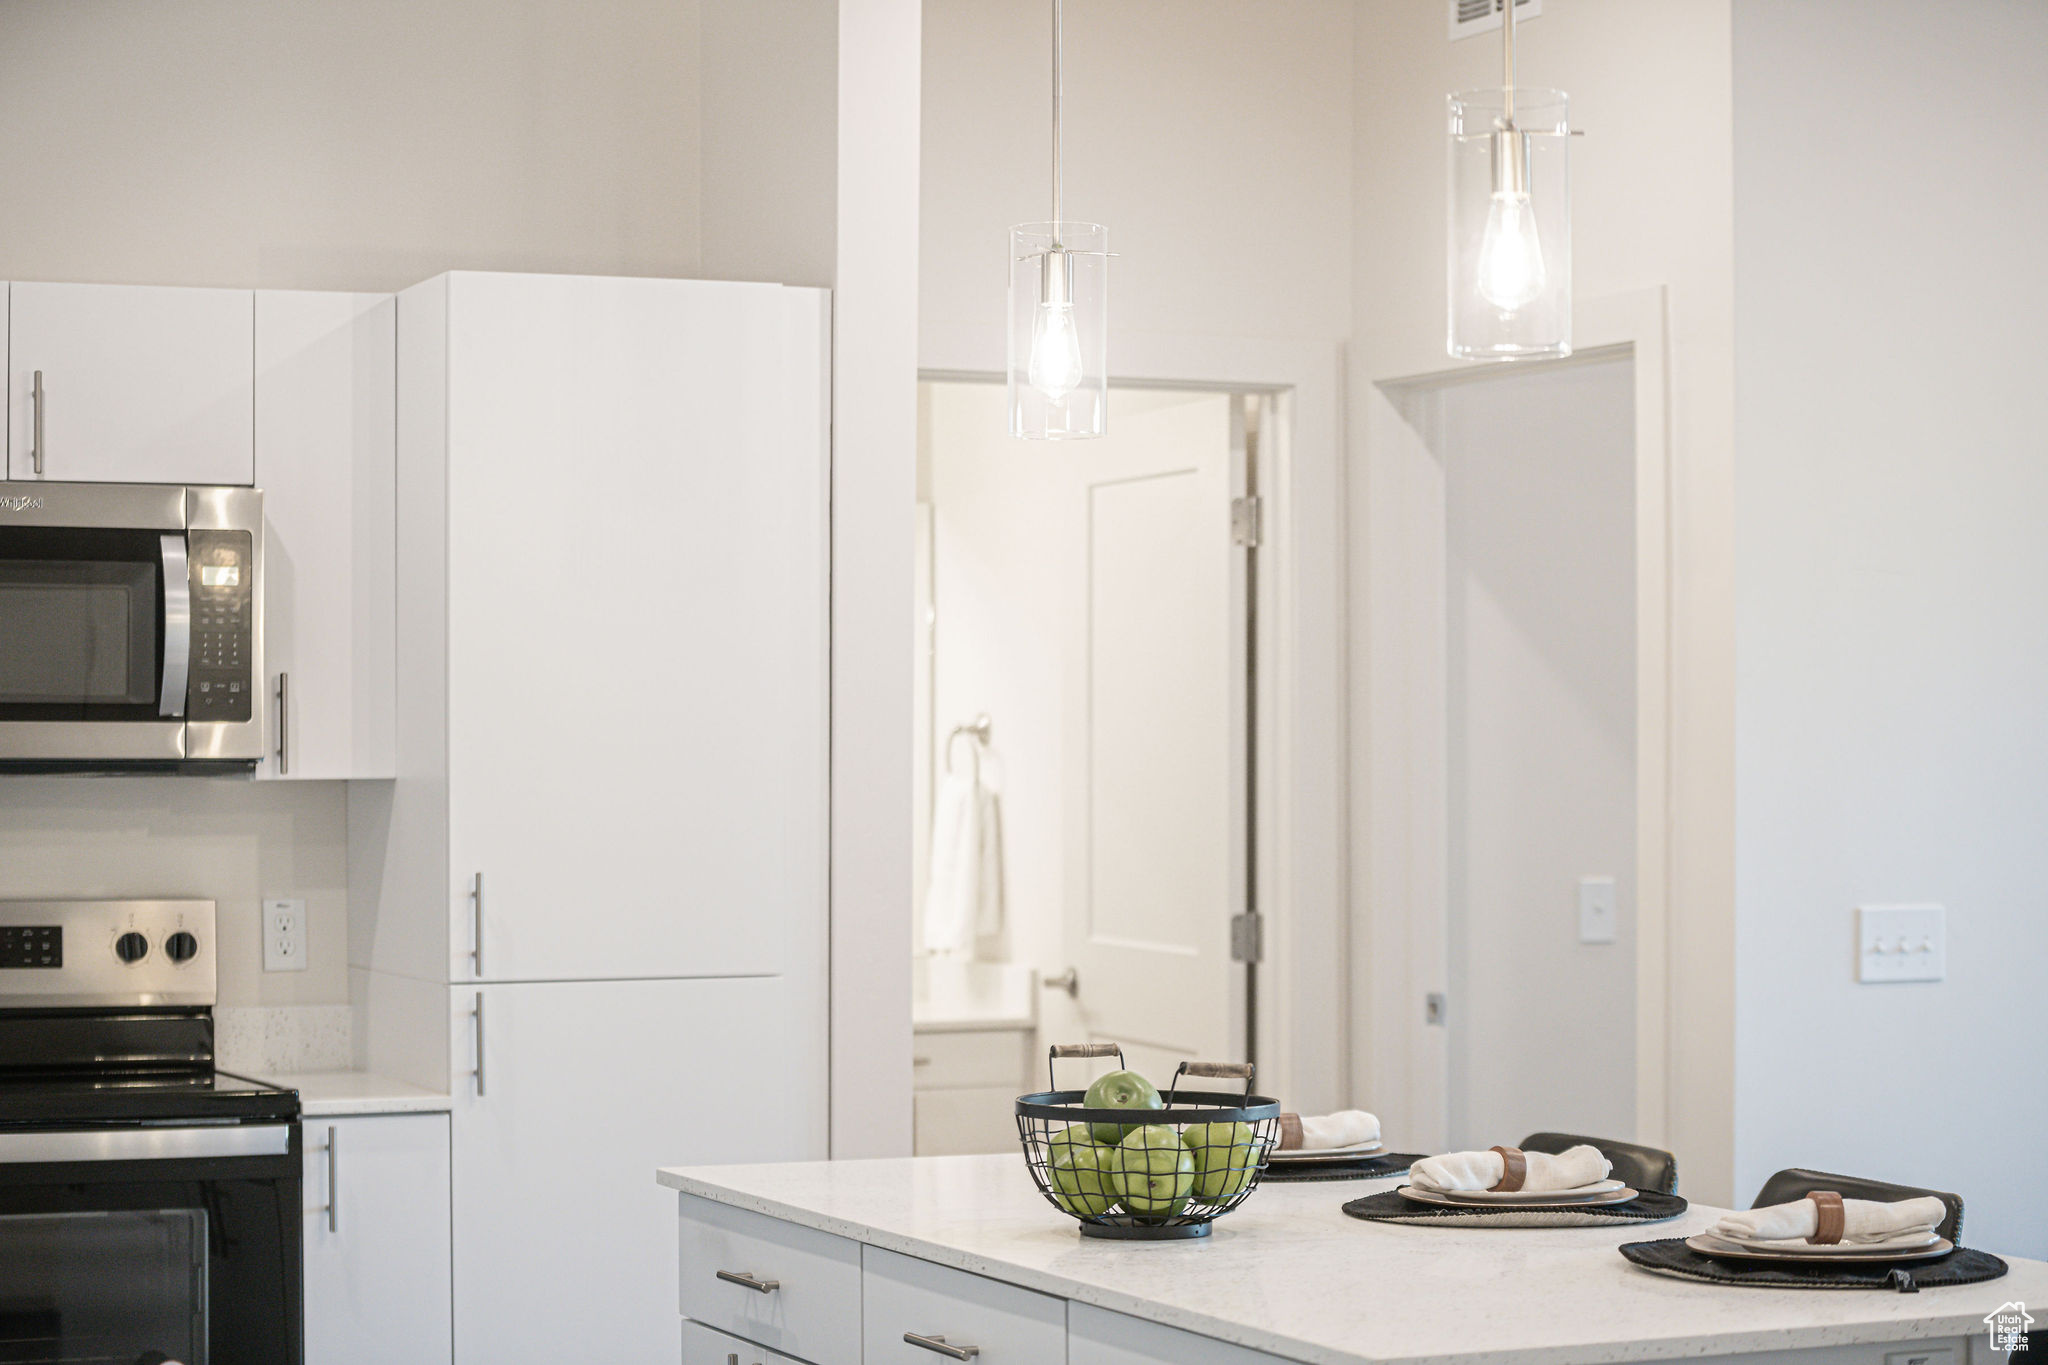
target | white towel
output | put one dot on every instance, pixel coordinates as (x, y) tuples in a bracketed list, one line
[(964, 895), (1863, 1221), (1345, 1128), (1568, 1170)]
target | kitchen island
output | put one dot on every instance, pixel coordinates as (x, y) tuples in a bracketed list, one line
[(857, 1254)]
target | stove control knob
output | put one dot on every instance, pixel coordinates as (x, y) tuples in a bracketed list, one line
[(131, 947), (181, 946)]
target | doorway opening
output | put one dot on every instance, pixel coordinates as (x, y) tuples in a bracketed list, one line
[(1083, 730)]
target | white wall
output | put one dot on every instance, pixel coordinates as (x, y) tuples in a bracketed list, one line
[(1211, 136), (369, 145), (1652, 206), (232, 842), (1539, 469), (1893, 645)]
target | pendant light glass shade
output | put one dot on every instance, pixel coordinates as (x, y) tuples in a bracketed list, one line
[(1510, 248), (1059, 331)]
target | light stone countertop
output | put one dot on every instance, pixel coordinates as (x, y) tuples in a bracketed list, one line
[(337, 1094), (1290, 1273)]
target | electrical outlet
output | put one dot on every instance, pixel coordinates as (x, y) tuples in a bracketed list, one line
[(1901, 943), (1931, 1355), (284, 936), (1596, 910)]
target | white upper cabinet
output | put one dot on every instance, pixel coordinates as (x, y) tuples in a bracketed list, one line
[(326, 393), (377, 1240), (624, 483), (139, 384)]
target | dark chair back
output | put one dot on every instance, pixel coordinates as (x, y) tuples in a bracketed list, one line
[(1650, 1169), (1797, 1183)]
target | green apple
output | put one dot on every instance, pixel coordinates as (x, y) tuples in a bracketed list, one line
[(1083, 1180), (1120, 1090), (1155, 1172), (1225, 1156)]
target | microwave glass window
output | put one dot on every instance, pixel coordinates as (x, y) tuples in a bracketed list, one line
[(126, 1285), (78, 632)]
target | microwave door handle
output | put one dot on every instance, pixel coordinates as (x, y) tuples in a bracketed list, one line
[(177, 626)]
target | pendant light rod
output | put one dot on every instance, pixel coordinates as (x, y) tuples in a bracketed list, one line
[(1507, 64), (1057, 43)]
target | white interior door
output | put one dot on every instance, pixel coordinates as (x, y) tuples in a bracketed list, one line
[(565, 1248), (1155, 722)]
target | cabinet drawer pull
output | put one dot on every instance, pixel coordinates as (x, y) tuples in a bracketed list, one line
[(333, 1193), (746, 1281), (35, 448), (942, 1346), (284, 725)]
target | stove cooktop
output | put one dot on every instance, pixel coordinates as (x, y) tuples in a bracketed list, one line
[(114, 1098)]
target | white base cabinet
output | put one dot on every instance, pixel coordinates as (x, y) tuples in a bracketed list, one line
[(914, 1312), (1096, 1336), (376, 1240), (703, 1346)]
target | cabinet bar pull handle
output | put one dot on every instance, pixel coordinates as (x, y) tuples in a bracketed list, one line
[(940, 1345), (479, 1012), (284, 724), (745, 1280), (476, 951), (36, 407), (333, 1191)]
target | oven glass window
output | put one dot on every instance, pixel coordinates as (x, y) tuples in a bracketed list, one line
[(74, 632), (118, 1286)]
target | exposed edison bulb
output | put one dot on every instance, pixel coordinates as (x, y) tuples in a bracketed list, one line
[(1510, 258), (1055, 367)]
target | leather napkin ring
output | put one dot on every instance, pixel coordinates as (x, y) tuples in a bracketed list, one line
[(1514, 1168), (1290, 1133), (1830, 1218)]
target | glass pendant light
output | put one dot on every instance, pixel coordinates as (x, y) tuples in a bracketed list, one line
[(1059, 313), (1510, 249)]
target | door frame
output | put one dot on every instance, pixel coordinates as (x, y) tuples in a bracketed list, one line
[(1301, 816), (1401, 768)]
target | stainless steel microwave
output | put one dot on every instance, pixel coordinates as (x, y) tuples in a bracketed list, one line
[(131, 628)]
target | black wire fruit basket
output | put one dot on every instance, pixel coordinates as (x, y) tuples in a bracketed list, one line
[(1147, 1174)]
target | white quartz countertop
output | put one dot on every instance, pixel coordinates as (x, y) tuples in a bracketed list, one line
[(335, 1094), (1290, 1273)]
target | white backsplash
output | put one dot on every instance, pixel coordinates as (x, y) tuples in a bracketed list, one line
[(274, 1040)]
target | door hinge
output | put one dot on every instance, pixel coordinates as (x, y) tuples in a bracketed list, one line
[(1247, 938), (1244, 521)]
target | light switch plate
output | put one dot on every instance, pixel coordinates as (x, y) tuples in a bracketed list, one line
[(284, 936), (1901, 943), (1596, 909)]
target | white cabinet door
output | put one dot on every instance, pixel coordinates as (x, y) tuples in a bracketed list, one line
[(377, 1240), (140, 384), (326, 392), (702, 1346), (1096, 1336), (910, 1308), (637, 651), (565, 1247)]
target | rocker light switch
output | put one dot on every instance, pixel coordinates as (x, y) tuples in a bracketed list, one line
[(1901, 943)]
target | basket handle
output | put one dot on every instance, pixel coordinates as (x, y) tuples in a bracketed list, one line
[(1243, 1071), (1059, 1050)]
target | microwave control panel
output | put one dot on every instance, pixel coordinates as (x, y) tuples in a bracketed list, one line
[(222, 684)]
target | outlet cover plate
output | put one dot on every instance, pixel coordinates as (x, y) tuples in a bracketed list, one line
[(1596, 910), (284, 936), (1901, 943)]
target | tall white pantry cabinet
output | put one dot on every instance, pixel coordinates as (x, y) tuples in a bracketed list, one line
[(592, 903)]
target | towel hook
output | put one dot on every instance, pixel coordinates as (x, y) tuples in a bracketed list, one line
[(977, 730)]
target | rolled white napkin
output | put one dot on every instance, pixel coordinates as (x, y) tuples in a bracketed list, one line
[(1568, 1170), (1346, 1128), (1863, 1220)]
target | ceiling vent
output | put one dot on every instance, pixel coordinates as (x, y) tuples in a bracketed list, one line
[(1483, 16)]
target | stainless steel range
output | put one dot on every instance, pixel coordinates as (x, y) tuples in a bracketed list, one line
[(149, 1202)]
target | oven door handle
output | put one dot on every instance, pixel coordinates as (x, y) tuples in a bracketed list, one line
[(146, 1144), (177, 626)]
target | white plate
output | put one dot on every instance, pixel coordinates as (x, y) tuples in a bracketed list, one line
[(1784, 1252), (1582, 1194), (1592, 1196), (1803, 1248), (1355, 1152)]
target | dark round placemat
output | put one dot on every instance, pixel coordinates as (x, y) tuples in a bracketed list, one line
[(1390, 1207), (1365, 1168), (1671, 1256)]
